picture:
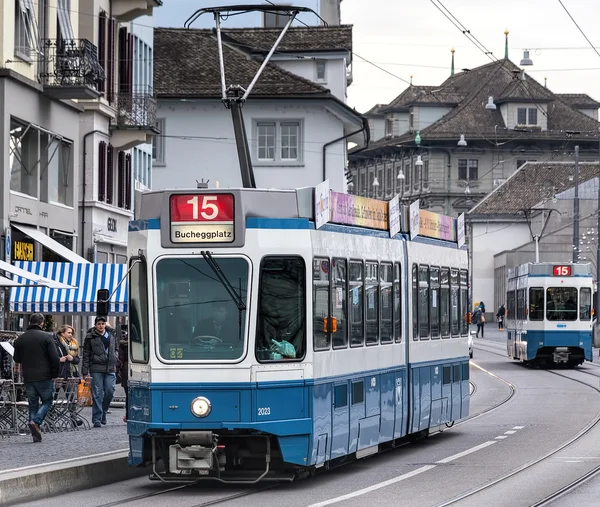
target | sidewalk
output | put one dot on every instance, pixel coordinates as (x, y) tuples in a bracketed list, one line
[(19, 451), (492, 334)]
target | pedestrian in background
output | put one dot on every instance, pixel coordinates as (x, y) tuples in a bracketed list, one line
[(100, 362), (123, 370), (501, 314), (36, 352), (68, 353), (479, 320)]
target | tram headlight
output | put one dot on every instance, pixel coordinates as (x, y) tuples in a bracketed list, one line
[(200, 406)]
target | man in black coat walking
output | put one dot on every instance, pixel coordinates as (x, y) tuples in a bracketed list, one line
[(37, 354)]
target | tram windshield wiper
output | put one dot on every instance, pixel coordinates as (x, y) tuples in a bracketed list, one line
[(236, 298)]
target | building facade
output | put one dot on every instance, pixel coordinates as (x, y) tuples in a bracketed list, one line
[(297, 127), (450, 145), (537, 201), (117, 126)]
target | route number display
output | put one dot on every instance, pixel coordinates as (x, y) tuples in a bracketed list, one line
[(561, 271), (202, 218)]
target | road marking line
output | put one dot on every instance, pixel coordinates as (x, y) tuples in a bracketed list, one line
[(518, 427), (465, 453), (510, 432), (501, 437), (375, 487), (573, 461)]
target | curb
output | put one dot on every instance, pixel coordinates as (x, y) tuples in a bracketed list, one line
[(36, 482)]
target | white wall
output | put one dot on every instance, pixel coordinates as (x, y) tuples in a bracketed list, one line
[(335, 72), (488, 240), (425, 116), (377, 128), (200, 143)]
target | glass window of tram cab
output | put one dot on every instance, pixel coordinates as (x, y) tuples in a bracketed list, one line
[(202, 300)]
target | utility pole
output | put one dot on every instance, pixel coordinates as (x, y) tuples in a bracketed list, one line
[(576, 210)]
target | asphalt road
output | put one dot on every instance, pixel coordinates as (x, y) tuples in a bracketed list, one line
[(545, 412)]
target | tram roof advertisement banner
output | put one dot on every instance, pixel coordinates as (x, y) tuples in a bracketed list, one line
[(322, 204), (351, 209), (432, 225), (394, 216)]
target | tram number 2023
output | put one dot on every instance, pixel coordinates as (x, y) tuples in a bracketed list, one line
[(264, 411)]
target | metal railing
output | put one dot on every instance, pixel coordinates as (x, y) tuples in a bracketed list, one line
[(71, 62), (136, 108)]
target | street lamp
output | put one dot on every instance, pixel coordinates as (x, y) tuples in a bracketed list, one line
[(400, 174), (419, 162), (461, 141), (490, 106)]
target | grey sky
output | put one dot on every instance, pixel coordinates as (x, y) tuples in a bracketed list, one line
[(400, 35)]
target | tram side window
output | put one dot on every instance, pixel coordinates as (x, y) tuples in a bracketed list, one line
[(397, 304), (585, 304), (415, 302), (536, 303), (521, 304), (434, 302), (322, 324), (511, 304), (445, 302), (372, 296), (357, 307), (339, 307), (424, 302), (138, 311), (464, 302), (386, 306), (281, 326), (454, 304), (561, 303)]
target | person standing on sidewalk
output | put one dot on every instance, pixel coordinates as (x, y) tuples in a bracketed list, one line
[(500, 315), (123, 370), (36, 352), (479, 319), (100, 361)]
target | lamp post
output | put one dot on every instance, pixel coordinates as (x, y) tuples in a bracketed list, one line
[(576, 210)]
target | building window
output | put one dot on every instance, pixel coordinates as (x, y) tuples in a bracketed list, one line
[(158, 144), (275, 19), (23, 158), (527, 116), (102, 171), (321, 67), (278, 141), (473, 169), (467, 169), (24, 28), (56, 162), (389, 127), (425, 173), (65, 29)]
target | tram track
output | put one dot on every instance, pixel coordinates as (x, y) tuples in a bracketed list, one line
[(573, 485)]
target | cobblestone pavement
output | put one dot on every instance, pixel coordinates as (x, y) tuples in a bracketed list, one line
[(19, 450)]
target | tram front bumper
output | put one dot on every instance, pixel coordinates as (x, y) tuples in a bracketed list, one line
[(195, 450)]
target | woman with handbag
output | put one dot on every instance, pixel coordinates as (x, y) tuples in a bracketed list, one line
[(479, 319), (68, 353)]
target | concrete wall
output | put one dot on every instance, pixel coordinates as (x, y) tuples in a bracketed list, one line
[(335, 72)]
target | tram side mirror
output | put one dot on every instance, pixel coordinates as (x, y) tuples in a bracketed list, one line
[(102, 297), (326, 325)]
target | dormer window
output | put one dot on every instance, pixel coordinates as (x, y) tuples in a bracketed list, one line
[(527, 116), (321, 68), (389, 127)]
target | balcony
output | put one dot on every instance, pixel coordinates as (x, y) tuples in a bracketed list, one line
[(135, 122), (128, 10), (70, 69)]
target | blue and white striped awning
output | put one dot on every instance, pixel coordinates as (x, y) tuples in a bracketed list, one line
[(87, 278)]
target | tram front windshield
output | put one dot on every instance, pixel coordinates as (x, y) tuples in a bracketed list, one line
[(201, 308), (561, 303)]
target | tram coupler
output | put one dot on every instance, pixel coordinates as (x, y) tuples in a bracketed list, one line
[(195, 451), (561, 355)]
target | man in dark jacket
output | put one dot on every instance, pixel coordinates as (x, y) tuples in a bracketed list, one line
[(37, 354), (100, 361)]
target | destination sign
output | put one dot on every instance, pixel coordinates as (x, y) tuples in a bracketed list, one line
[(202, 218), (561, 270)]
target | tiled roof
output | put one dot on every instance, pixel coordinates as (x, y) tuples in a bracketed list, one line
[(470, 117), (424, 95), (186, 63), (531, 185), (578, 100), (296, 39), (376, 110)]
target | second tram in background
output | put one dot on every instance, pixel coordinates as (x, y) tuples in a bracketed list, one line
[(549, 310)]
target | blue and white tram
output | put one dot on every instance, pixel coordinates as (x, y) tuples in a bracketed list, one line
[(549, 311), (264, 348)]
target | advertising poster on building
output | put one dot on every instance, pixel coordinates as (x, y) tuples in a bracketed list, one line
[(415, 218), (322, 204), (432, 225), (460, 230), (394, 216), (355, 210)]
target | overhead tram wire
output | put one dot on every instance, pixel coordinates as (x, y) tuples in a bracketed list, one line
[(579, 28)]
